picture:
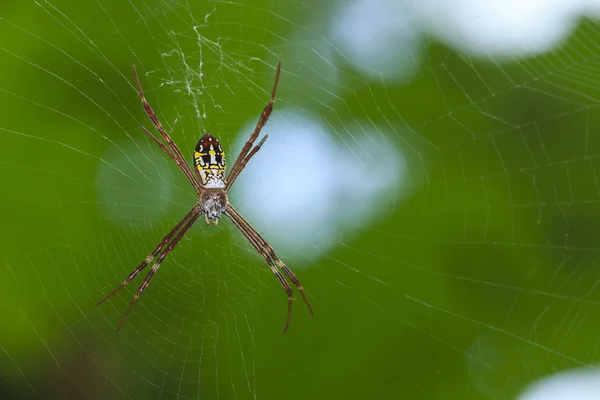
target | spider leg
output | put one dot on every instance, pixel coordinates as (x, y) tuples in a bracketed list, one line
[(173, 150), (159, 143), (292, 277), (157, 250), (281, 265), (233, 176), (270, 257), (186, 227), (273, 267), (273, 256), (239, 164), (287, 289)]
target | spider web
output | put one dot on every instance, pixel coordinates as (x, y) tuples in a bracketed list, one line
[(438, 199)]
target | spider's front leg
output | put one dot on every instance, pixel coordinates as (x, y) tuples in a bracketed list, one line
[(270, 257), (165, 246), (156, 265)]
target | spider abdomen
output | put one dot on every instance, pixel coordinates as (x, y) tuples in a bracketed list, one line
[(209, 159)]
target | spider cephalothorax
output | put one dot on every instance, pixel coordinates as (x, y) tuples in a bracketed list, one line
[(214, 202), (210, 183)]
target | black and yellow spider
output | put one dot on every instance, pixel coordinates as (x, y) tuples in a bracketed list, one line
[(211, 184)]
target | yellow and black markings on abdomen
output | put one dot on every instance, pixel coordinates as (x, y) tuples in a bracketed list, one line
[(209, 158)]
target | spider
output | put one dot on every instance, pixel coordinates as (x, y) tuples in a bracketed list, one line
[(210, 182)]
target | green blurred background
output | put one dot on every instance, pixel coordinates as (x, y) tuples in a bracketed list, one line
[(479, 281)]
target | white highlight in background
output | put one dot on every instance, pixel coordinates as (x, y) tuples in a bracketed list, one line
[(305, 182), (502, 27), (385, 38), (380, 37), (581, 384)]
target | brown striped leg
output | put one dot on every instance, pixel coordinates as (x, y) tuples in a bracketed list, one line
[(270, 257), (186, 227), (158, 248), (233, 175), (173, 151), (151, 256), (239, 164), (262, 242)]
